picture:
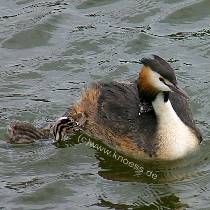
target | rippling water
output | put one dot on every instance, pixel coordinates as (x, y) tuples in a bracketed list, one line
[(49, 51)]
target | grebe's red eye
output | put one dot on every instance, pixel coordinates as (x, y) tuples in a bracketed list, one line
[(161, 79)]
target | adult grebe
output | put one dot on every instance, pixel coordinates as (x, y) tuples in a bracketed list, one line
[(146, 118)]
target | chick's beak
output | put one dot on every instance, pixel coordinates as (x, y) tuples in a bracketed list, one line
[(178, 90)]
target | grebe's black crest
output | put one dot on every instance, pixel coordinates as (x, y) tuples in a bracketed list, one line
[(160, 66)]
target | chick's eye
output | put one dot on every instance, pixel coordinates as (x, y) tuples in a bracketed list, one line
[(161, 79)]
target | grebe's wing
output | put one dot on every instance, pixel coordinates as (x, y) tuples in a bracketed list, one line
[(119, 109)]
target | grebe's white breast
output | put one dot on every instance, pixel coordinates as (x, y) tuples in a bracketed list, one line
[(174, 139)]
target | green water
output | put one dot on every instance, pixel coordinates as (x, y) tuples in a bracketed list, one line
[(49, 51)]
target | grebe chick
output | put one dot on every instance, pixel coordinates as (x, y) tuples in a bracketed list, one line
[(146, 118), (26, 133)]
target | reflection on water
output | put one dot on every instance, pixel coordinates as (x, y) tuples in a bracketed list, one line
[(50, 50)]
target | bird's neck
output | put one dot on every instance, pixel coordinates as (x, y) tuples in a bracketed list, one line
[(164, 111), (162, 105)]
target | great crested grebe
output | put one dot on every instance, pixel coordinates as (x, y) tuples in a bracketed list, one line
[(147, 118)]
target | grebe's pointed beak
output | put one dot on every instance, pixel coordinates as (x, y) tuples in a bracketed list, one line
[(178, 90)]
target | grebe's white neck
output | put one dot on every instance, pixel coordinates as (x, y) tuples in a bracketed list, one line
[(174, 139)]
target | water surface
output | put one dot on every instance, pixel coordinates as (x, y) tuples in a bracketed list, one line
[(50, 50)]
